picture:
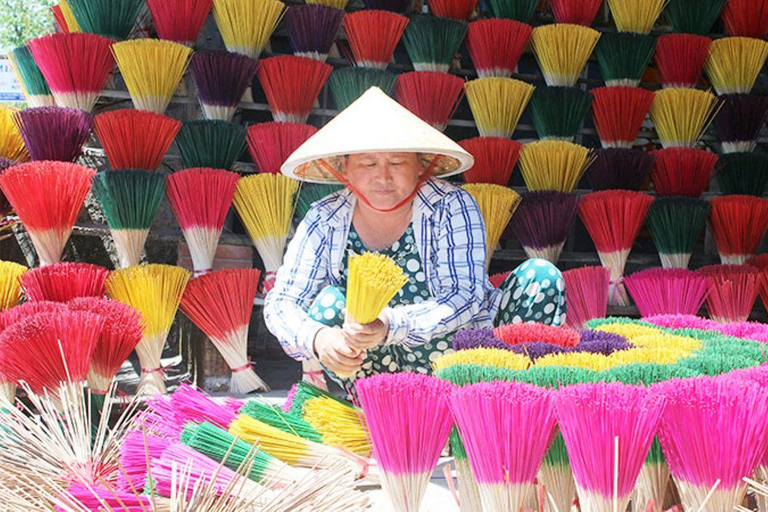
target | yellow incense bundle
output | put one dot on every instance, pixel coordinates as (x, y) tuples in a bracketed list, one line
[(554, 165), (682, 115), (657, 355), (637, 16), (497, 204), (562, 51), (11, 144), (69, 17), (586, 360), (339, 424), (246, 25), (630, 331), (155, 291), (497, 104), (499, 358), (374, 279), (265, 205), (10, 284), (336, 4), (734, 63), (152, 70)]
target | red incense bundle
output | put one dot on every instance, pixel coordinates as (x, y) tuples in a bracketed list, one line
[(373, 36), (680, 59), (733, 291), (460, 10), (47, 196), (667, 291), (179, 21), (135, 139), (682, 171), (292, 85), (121, 333), (76, 66), (618, 113), (746, 18), (496, 45), (498, 279), (200, 198), (587, 294), (613, 219), (575, 12), (495, 159), (62, 282), (270, 144), (738, 224), (761, 263), (431, 95), (48, 350), (220, 304)]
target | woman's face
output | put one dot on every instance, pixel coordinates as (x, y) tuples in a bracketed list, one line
[(385, 179)]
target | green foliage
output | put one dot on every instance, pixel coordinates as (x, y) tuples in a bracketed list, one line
[(21, 20)]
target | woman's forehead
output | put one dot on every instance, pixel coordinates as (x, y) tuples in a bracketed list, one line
[(377, 155)]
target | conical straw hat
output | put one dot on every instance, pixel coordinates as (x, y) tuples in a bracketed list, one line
[(374, 123)]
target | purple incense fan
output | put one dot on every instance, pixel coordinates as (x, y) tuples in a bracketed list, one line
[(600, 342), (54, 133), (542, 222), (739, 121), (537, 349), (619, 168), (477, 338), (312, 29), (221, 79)]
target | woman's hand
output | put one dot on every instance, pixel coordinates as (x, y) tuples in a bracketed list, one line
[(334, 351), (362, 337)]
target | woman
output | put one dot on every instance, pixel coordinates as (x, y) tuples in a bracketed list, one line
[(389, 161)]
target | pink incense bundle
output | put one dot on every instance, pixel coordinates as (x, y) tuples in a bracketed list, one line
[(733, 291), (373, 36), (680, 59), (495, 159), (738, 224), (137, 449), (220, 304), (121, 333), (514, 334), (180, 21), (608, 429), (409, 422), (613, 219), (682, 171), (292, 85), (135, 139), (496, 45), (270, 144), (159, 418), (191, 404), (667, 291), (200, 199), (575, 12), (498, 279), (713, 436), (50, 349), (62, 282), (76, 66), (95, 498), (54, 133), (587, 294), (431, 95), (47, 196), (618, 113), (506, 428)]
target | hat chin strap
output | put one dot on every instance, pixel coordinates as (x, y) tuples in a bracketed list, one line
[(345, 181)]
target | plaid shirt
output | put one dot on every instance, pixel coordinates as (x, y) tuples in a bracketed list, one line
[(450, 236)]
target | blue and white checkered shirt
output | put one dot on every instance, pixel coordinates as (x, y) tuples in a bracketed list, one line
[(450, 236)]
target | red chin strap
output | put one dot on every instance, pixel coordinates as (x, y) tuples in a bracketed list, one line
[(344, 181)]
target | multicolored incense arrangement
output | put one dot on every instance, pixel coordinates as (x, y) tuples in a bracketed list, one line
[(604, 138)]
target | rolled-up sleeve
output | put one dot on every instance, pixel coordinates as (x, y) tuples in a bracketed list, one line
[(298, 282), (460, 265)]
